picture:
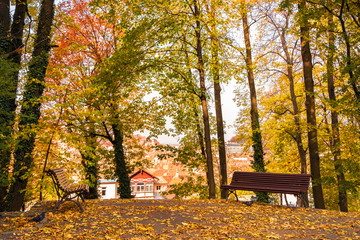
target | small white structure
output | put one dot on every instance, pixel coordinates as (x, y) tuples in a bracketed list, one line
[(108, 189), (233, 148)]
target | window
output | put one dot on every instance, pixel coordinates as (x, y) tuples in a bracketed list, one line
[(149, 187), (140, 187), (103, 191), (158, 188)]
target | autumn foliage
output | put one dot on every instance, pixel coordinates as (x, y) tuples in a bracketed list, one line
[(145, 219), (117, 68)]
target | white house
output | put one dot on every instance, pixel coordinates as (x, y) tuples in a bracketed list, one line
[(108, 189)]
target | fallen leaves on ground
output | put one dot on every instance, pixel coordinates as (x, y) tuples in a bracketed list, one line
[(181, 219)]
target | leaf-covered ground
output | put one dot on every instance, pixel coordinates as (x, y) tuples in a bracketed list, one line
[(175, 219)]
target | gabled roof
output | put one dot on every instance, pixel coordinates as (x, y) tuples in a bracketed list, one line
[(142, 172)]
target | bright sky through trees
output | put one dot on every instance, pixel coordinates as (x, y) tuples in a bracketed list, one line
[(230, 114)]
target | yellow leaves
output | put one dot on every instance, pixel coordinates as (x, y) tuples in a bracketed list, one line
[(182, 219), (68, 236)]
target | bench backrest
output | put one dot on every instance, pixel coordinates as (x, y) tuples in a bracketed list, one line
[(277, 181), (60, 179)]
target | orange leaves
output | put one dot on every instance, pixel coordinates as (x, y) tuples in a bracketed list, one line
[(83, 37)]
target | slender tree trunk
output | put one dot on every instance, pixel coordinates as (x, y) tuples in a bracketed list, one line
[(310, 110), (335, 138), (30, 111), (10, 56), (290, 75), (200, 135), (197, 117), (349, 65), (44, 168), (258, 163), (298, 135), (296, 113), (121, 170), (209, 160), (217, 93), (221, 139), (47, 155)]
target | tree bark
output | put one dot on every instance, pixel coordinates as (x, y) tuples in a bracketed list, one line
[(89, 160), (296, 113), (335, 137), (218, 108), (5, 129), (258, 163), (349, 63), (30, 110), (310, 110), (10, 54), (4, 23), (121, 170), (209, 160), (200, 135)]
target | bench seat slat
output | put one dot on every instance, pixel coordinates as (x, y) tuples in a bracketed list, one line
[(67, 189), (269, 182), (265, 189)]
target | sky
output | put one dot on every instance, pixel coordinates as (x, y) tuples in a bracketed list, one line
[(229, 111)]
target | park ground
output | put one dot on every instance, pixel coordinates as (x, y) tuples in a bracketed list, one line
[(178, 219)]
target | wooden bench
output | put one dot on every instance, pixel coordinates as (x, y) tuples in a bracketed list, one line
[(65, 190), (296, 184)]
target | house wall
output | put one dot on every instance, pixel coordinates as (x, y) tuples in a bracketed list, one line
[(110, 190), (143, 189), (143, 186)]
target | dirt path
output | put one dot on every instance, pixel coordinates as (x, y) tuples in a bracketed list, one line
[(175, 219)]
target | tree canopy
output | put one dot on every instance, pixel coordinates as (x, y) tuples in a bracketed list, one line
[(91, 74)]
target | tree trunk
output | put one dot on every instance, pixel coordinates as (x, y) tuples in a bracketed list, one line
[(121, 170), (335, 137), (221, 139), (209, 160), (217, 93), (10, 56), (296, 114), (310, 110), (30, 111), (4, 25), (349, 65), (90, 163), (258, 163), (200, 135)]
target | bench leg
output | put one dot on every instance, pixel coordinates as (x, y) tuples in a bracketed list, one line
[(232, 192), (66, 198), (286, 201), (56, 206), (82, 196), (78, 204), (60, 201), (303, 199)]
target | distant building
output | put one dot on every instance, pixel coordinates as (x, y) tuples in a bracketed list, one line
[(108, 189), (233, 148), (144, 185)]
